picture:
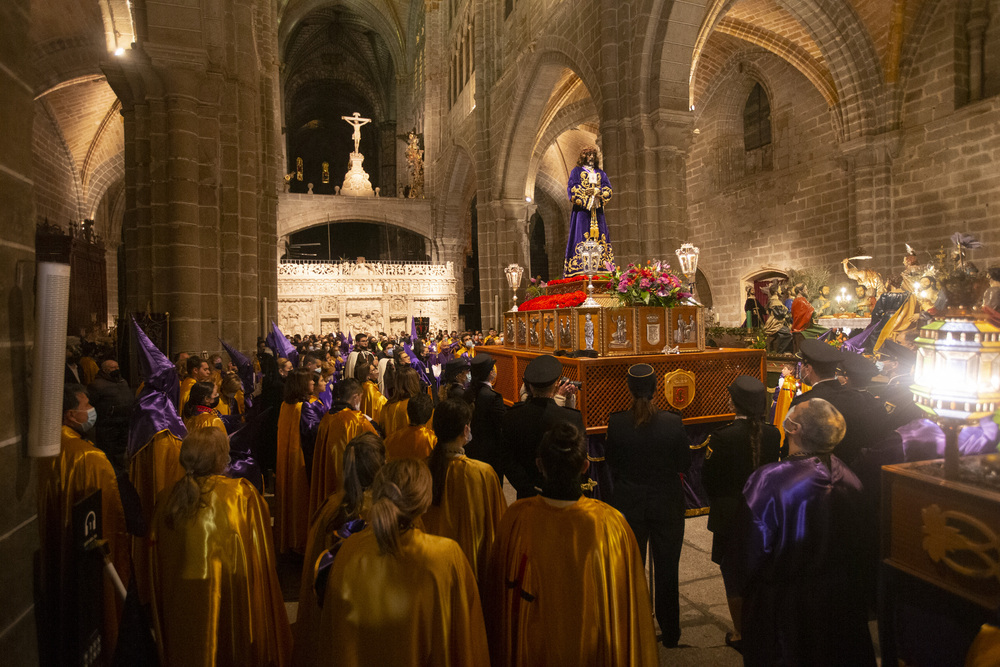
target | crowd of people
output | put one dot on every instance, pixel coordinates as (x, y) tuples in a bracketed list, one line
[(387, 456)]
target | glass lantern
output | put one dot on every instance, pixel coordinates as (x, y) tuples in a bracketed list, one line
[(687, 255), (514, 272), (957, 375)]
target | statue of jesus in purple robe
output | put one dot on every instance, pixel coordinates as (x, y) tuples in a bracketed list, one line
[(589, 189)]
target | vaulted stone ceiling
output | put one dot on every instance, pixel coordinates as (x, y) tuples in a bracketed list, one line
[(794, 32), (69, 40)]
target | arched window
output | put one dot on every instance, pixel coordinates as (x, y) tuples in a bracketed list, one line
[(756, 119)]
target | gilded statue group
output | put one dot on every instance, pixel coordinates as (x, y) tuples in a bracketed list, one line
[(885, 308)]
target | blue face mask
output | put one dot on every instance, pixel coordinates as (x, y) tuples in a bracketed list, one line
[(89, 424)]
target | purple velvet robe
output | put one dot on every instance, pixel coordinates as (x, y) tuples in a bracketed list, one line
[(801, 559), (579, 223)]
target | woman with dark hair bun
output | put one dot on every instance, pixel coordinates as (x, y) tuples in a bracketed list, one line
[(565, 583), (298, 422), (647, 450), (733, 453), (396, 595)]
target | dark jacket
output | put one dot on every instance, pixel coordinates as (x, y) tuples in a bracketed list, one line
[(652, 455), (113, 402), (487, 425), (523, 427), (864, 416), (728, 465)]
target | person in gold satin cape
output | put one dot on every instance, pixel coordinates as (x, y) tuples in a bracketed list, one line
[(231, 400), (565, 583), (152, 469), (406, 386), (339, 426), (199, 411), (416, 441), (78, 470), (372, 400), (216, 599), (468, 501), (197, 371), (363, 458), (297, 424), (396, 595)]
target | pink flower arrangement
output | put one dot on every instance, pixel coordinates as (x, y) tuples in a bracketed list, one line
[(650, 284)]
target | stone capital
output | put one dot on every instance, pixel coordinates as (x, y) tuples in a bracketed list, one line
[(870, 150)]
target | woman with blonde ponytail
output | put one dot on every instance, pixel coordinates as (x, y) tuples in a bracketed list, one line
[(362, 459), (396, 595), (215, 594)]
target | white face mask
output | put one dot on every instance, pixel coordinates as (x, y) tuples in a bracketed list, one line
[(469, 344)]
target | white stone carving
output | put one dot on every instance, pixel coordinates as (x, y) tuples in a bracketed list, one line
[(312, 294)]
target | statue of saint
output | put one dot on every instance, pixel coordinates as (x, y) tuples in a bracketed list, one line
[(589, 189)]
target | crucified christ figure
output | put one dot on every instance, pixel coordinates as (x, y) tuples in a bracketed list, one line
[(356, 122)]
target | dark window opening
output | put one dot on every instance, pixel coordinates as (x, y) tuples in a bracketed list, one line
[(756, 119)]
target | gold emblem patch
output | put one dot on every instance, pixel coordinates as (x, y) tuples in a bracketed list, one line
[(679, 388)]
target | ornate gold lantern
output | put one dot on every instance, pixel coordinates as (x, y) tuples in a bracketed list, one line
[(591, 256)]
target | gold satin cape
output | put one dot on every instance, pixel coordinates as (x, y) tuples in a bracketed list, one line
[(63, 480), (216, 597), (336, 429), (291, 485), (322, 536), (372, 401), (394, 417), (566, 586), (470, 510), (186, 385), (205, 420), (412, 442), (786, 392), (153, 468), (415, 608)]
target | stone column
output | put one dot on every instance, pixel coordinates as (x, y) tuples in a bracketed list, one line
[(872, 229)]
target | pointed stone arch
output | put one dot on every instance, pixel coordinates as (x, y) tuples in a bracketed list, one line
[(530, 102)]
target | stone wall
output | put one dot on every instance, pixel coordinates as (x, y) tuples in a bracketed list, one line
[(18, 526), (823, 198), (744, 217)]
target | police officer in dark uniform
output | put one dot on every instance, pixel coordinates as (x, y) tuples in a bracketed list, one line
[(734, 452), (898, 361), (863, 414), (488, 410), (648, 450), (526, 422)]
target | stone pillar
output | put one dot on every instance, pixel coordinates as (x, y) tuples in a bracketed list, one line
[(872, 228), (18, 526), (201, 172), (503, 239)]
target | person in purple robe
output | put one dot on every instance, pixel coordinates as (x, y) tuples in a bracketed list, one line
[(589, 190), (801, 558)]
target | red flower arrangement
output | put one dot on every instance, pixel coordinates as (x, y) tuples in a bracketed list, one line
[(553, 301), (598, 280)]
